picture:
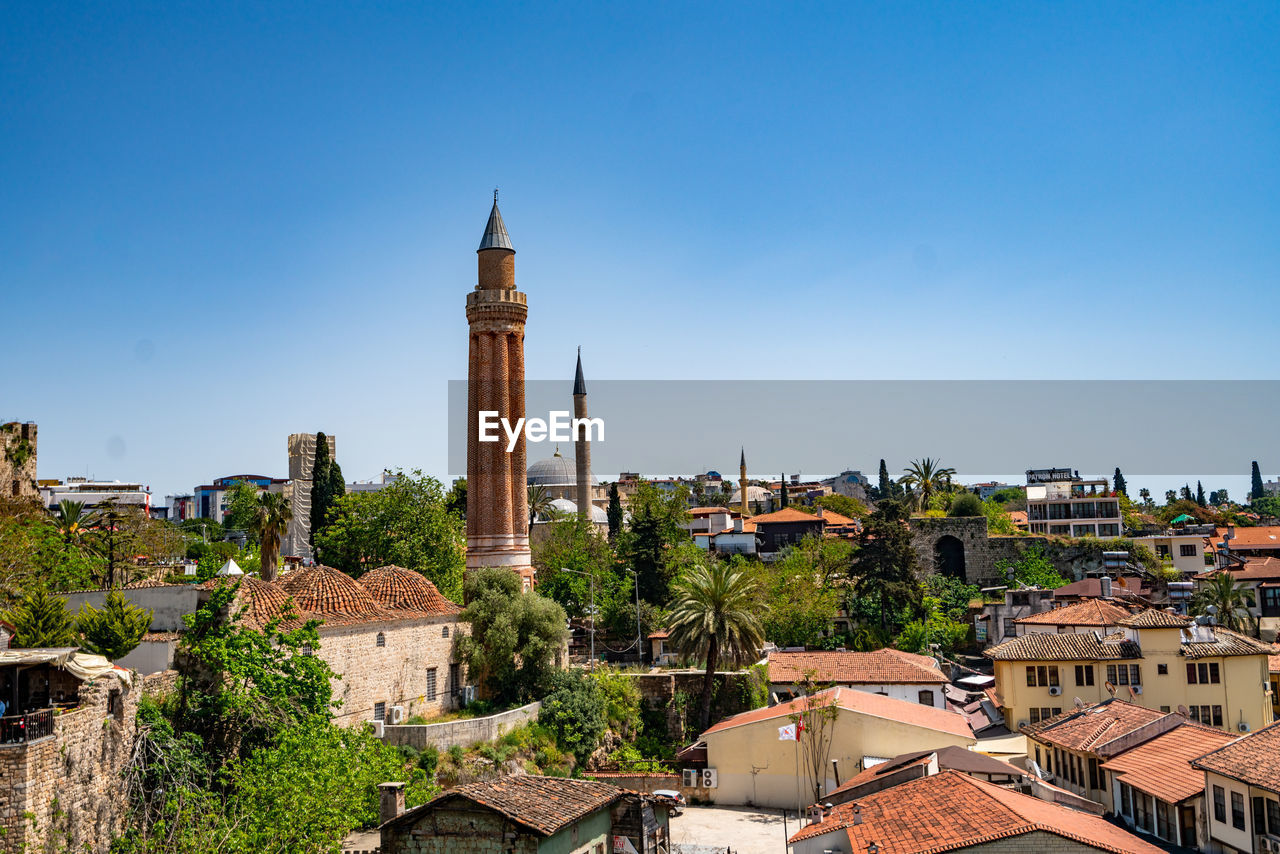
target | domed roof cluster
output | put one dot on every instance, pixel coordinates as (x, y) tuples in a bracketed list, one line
[(400, 589), (257, 601), (565, 507), (554, 471), (326, 591)]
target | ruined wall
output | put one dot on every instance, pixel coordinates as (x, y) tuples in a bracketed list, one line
[(981, 551), (465, 732), (66, 792), (18, 460), (676, 696), (396, 673)]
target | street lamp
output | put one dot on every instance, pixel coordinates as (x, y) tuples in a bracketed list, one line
[(639, 643), (592, 578)]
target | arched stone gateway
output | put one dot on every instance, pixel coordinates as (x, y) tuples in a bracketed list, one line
[(948, 557)]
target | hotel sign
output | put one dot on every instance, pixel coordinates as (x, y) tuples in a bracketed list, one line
[(1049, 475)]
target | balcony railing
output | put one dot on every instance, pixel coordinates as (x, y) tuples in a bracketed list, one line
[(19, 729)]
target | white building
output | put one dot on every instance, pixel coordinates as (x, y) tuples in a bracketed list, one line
[(887, 672), (1184, 548), (95, 493), (1060, 502)]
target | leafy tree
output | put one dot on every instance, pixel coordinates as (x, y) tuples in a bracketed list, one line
[(116, 630), (622, 701), (40, 620), (924, 477), (1033, 569), (884, 570), (783, 499), (842, 504), (1200, 499), (815, 719), (270, 521), (327, 486), (1119, 484), (1186, 494), (654, 530), (406, 523), (953, 595), (1218, 497), (456, 500), (615, 513), (1231, 601), (574, 544), (242, 507), (515, 637), (33, 552), (1011, 496), (539, 501), (998, 519), (73, 521), (1170, 496), (798, 607), (1256, 489), (713, 618), (575, 711), (967, 504), (1267, 506), (1145, 495)]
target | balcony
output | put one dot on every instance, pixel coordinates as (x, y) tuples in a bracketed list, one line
[(20, 729)]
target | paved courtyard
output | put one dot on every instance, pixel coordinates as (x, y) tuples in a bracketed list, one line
[(743, 829)]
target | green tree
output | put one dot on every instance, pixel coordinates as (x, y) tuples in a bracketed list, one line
[(1119, 484), (1200, 499), (713, 619), (456, 500), (40, 620), (1256, 489), (1145, 495), (116, 630), (515, 637), (967, 504), (539, 501), (924, 477), (843, 504), (406, 523), (653, 533), (73, 521), (884, 570), (1170, 496), (884, 487), (573, 543), (1033, 569), (798, 606), (242, 507), (575, 711), (33, 552), (1230, 602), (270, 521), (614, 513), (327, 486)]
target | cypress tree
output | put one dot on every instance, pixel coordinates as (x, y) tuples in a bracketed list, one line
[(1186, 493), (1256, 491), (614, 512), (784, 501), (321, 470), (884, 489), (1200, 499), (1118, 483)]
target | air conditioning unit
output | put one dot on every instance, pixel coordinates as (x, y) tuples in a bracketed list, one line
[(397, 714), (1055, 690), (378, 729), (690, 778), (1021, 724), (1242, 726), (1137, 689), (710, 779)]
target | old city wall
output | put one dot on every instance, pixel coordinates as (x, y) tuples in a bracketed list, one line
[(981, 551), (677, 693), (18, 460), (397, 673), (465, 732), (67, 792)]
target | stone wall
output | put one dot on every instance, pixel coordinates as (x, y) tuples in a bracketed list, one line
[(397, 673), (159, 684), (465, 732), (167, 604), (18, 460), (981, 551), (677, 693), (66, 792)]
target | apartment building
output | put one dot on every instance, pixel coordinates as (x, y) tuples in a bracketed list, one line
[(1060, 502)]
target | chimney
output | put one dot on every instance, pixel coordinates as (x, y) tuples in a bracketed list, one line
[(391, 801), (857, 813), (737, 525)]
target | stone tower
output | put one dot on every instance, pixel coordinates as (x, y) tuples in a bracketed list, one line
[(742, 482), (582, 444), (18, 460), (497, 497), (302, 458)]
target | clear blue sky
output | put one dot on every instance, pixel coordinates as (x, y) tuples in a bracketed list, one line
[(220, 224)]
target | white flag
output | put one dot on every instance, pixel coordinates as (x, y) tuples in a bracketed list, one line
[(787, 733)]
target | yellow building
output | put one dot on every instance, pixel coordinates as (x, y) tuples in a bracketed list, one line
[(1154, 659), (752, 766), (1242, 793)]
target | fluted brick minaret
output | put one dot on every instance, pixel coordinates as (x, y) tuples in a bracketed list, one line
[(497, 498), (582, 444)]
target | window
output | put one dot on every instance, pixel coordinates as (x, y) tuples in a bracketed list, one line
[(1259, 814), (1163, 830), (926, 698), (1273, 817), (1163, 552), (1202, 673), (1126, 800), (1124, 674), (1035, 715), (1217, 715), (431, 685), (1237, 810), (1135, 674), (1108, 530), (444, 633), (1141, 815), (1093, 773), (1188, 550), (1042, 677), (379, 711), (382, 639), (1162, 670), (1207, 715), (1270, 601), (454, 687), (1084, 674), (1219, 805)]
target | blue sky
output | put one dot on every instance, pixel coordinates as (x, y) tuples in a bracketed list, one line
[(220, 224)]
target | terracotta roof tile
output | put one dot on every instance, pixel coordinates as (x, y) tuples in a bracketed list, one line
[(545, 804), (261, 601), (1273, 663), (1253, 569), (1162, 766), (883, 666), (1227, 643), (1260, 536), (1088, 728), (951, 811), (1254, 759), (1087, 612), (1156, 618), (400, 589), (786, 514), (860, 702), (333, 595), (1041, 646), (949, 758)]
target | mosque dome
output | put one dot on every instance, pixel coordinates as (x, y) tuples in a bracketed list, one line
[(326, 591), (754, 493), (565, 508), (554, 471), (405, 590)]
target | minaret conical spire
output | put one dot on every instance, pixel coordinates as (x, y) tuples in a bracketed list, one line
[(495, 231), (579, 383)]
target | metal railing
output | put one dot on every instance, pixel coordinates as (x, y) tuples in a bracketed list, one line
[(19, 729)]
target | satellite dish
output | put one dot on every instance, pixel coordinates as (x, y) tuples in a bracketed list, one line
[(1079, 703), (1110, 688), (1182, 710)]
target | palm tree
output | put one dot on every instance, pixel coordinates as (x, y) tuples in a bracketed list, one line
[(539, 502), (714, 614), (924, 477), (270, 521), (1231, 602), (72, 520)]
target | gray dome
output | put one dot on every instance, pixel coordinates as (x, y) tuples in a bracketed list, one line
[(567, 508), (555, 471)]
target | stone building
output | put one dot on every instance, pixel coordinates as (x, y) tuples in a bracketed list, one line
[(497, 498), (390, 637), (297, 491), (18, 460), (65, 738)]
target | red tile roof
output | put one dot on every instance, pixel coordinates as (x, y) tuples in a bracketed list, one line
[(1253, 569), (786, 514), (259, 602), (1254, 759), (949, 758), (1087, 612), (1260, 536), (1156, 618), (951, 811), (710, 511), (881, 667), (1273, 663), (1226, 642), (332, 594), (859, 702), (1041, 646), (543, 804), (1088, 728), (1162, 766), (400, 589)]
